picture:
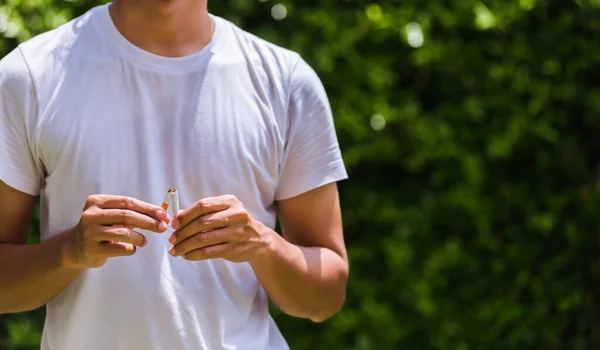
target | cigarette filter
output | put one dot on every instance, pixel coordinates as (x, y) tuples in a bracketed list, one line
[(166, 201)]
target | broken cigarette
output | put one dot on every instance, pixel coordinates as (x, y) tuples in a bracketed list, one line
[(171, 201), (165, 203), (174, 202)]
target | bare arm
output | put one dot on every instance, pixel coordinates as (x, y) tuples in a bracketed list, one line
[(32, 275), (306, 273)]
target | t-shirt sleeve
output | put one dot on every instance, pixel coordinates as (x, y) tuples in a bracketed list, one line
[(18, 107), (312, 156)]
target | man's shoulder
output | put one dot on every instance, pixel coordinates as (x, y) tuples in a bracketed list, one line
[(252, 40), (268, 53), (58, 43)]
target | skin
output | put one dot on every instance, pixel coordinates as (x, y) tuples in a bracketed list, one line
[(304, 271), (169, 28), (32, 275)]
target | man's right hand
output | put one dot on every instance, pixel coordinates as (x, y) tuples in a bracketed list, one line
[(105, 230)]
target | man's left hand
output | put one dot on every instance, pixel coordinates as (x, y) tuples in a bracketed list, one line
[(219, 227)]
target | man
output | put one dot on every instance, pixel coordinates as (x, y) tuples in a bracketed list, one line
[(101, 116)]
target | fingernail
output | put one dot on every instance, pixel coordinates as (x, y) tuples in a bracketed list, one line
[(172, 251), (145, 242), (175, 224), (162, 226), (172, 239), (161, 214)]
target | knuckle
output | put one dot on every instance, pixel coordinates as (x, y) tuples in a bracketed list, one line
[(240, 214), (149, 210), (243, 213), (91, 200), (240, 234), (127, 203), (228, 250), (230, 198), (200, 238), (207, 252), (131, 203), (124, 232), (206, 221), (124, 215), (203, 203), (87, 216)]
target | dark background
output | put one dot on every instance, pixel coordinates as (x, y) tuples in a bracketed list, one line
[(469, 132)]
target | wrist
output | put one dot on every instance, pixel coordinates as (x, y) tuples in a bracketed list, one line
[(66, 246), (270, 247)]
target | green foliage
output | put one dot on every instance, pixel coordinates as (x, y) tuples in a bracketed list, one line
[(469, 131)]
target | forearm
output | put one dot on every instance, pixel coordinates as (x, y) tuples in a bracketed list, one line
[(307, 282), (32, 275)]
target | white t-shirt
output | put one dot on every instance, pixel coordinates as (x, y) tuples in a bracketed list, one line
[(83, 111)]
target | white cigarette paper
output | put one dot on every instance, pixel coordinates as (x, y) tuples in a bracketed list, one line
[(174, 202)]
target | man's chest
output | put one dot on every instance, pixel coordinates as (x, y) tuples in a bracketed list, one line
[(110, 126)]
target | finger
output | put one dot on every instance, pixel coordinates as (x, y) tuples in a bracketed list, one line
[(202, 207), (130, 219), (112, 249), (133, 204), (201, 240), (206, 222), (131, 227), (212, 252), (121, 234)]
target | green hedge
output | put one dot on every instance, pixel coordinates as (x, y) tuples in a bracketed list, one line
[(469, 131)]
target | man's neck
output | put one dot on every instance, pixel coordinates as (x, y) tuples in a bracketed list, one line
[(170, 28)]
